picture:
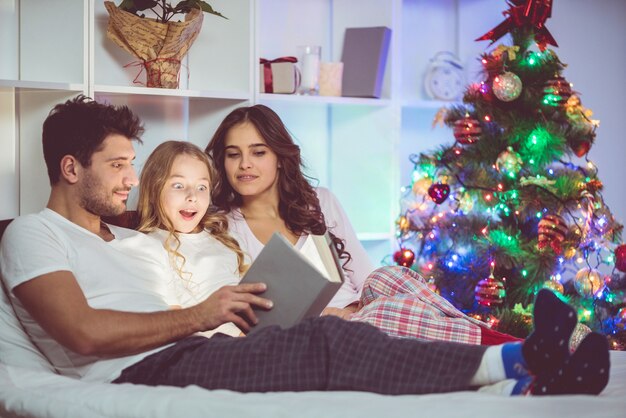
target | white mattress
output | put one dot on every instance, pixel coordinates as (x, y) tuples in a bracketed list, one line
[(29, 393)]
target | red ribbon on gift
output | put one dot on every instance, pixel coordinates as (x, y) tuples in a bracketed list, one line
[(525, 13), (267, 71)]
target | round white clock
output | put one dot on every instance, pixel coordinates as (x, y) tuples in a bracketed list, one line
[(444, 77)]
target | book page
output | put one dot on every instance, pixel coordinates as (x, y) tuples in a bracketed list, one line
[(316, 249), (309, 250)]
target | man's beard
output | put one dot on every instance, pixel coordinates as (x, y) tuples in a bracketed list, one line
[(95, 199)]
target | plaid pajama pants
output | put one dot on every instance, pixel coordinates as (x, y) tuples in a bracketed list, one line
[(324, 353), (397, 301)]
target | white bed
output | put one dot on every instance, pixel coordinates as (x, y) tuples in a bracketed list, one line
[(29, 387), (34, 393)]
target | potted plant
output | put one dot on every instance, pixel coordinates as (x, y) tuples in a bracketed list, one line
[(158, 42)]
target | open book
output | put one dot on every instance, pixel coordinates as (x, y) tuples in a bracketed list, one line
[(299, 282)]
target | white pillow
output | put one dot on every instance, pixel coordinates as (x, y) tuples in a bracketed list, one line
[(16, 348)]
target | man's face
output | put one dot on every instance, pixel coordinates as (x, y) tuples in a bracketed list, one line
[(105, 185)]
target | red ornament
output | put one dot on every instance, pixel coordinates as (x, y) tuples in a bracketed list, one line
[(489, 292), (620, 258), (439, 192), (404, 257), (551, 231), (581, 148), (467, 130)]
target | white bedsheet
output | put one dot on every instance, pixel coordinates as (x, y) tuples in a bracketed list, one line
[(30, 393)]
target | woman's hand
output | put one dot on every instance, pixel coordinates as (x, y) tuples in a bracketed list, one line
[(344, 313)]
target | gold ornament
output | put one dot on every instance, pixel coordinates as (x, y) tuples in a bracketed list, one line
[(440, 117), (511, 51), (403, 224), (569, 253), (420, 187), (588, 282), (553, 284)]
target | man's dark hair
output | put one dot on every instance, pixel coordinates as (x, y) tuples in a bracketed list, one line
[(79, 126)]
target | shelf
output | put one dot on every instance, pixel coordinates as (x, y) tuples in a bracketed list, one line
[(149, 91), (322, 99), (427, 104), (41, 85), (374, 236)]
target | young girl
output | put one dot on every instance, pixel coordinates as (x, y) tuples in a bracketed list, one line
[(261, 185), (173, 207)]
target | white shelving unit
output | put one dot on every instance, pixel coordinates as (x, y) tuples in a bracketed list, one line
[(51, 51)]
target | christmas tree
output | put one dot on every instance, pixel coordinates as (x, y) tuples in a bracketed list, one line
[(514, 204)]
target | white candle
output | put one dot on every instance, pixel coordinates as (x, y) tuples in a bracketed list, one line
[(310, 69)]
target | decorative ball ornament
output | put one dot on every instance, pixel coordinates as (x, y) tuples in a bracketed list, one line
[(404, 257), (551, 230), (569, 253), (439, 192), (489, 292), (553, 284), (507, 86), (620, 258), (509, 162), (557, 91), (467, 130), (581, 149), (588, 282)]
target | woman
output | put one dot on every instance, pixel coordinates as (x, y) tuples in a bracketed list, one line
[(262, 187)]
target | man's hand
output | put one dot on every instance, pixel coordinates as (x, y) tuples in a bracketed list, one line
[(233, 304)]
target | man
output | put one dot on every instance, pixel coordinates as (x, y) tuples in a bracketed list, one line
[(97, 307)]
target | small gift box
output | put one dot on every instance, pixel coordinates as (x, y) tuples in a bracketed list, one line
[(279, 76)]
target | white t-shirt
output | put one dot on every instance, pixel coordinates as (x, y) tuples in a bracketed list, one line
[(356, 271), (209, 265), (112, 275)]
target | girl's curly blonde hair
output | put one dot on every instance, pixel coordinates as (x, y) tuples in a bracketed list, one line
[(152, 215)]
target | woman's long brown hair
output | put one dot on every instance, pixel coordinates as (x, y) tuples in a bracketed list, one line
[(298, 205)]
